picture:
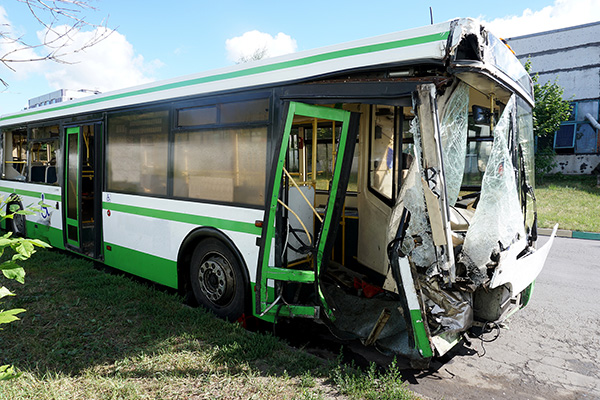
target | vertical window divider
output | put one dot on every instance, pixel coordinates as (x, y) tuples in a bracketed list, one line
[(171, 149)]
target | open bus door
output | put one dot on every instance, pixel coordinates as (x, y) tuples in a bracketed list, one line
[(82, 189), (276, 273)]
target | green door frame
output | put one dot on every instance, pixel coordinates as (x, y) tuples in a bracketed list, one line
[(267, 272), (72, 187)]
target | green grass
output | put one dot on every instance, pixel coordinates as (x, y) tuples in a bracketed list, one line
[(571, 201), (89, 334)]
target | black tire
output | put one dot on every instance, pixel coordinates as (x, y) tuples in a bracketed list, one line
[(16, 224), (217, 280)]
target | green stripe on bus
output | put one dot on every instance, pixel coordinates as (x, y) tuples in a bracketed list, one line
[(29, 193), (421, 339), (252, 71), (224, 224), (147, 266), (52, 236)]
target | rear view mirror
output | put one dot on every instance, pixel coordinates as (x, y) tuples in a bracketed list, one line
[(481, 115)]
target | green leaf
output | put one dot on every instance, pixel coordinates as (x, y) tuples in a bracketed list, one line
[(5, 292), (9, 316), (5, 242), (9, 264), (25, 248), (27, 211), (17, 273), (8, 372), (39, 243)]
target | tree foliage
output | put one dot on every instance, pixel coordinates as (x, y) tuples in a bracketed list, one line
[(22, 249), (59, 21), (550, 108), (549, 112)]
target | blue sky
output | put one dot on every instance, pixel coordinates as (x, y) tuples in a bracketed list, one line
[(157, 40)]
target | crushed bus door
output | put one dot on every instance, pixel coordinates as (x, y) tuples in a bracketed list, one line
[(275, 269)]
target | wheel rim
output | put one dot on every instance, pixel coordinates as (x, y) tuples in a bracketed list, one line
[(19, 224), (216, 279)]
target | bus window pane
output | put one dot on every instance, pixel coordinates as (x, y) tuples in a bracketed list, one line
[(245, 111), (478, 154), (225, 165), (381, 159), (15, 155), (45, 132), (137, 152), (72, 175), (197, 116)]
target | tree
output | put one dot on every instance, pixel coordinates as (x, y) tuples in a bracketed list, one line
[(549, 112), (23, 249), (258, 54), (60, 20)]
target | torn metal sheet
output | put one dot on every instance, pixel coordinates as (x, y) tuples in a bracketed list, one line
[(448, 310), (433, 173), (521, 272)]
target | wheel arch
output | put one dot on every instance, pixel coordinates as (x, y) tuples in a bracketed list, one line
[(186, 251)]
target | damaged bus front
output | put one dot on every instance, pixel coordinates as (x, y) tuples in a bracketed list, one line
[(406, 219)]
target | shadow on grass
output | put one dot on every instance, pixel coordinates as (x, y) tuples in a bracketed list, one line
[(80, 319)]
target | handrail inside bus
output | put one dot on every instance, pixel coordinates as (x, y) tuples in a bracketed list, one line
[(303, 196)]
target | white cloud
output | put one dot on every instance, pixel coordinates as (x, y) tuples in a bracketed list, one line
[(109, 64), (253, 42), (562, 14), (11, 49)]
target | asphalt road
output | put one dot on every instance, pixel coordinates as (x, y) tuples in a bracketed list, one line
[(551, 349)]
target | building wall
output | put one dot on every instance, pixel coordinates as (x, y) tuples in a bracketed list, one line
[(571, 56)]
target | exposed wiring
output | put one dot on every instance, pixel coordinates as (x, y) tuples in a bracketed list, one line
[(488, 327)]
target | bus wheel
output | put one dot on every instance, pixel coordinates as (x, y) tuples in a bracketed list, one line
[(17, 222), (217, 280)]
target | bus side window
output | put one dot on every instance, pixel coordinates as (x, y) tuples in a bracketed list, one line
[(383, 157), (220, 152), (15, 155), (44, 147), (137, 152)]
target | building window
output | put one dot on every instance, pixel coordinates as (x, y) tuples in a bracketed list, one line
[(578, 135)]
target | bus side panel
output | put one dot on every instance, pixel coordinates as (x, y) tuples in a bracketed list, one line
[(143, 235), (46, 222)]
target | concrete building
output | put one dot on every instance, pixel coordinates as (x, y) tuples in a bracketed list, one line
[(572, 57)]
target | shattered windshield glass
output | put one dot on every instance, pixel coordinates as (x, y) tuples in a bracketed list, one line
[(453, 130), (498, 221)]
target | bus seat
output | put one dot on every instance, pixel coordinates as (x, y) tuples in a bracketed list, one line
[(38, 173), (51, 174)]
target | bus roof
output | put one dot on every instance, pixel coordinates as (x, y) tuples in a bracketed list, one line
[(425, 44)]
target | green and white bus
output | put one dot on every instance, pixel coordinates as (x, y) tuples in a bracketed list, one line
[(384, 187)]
